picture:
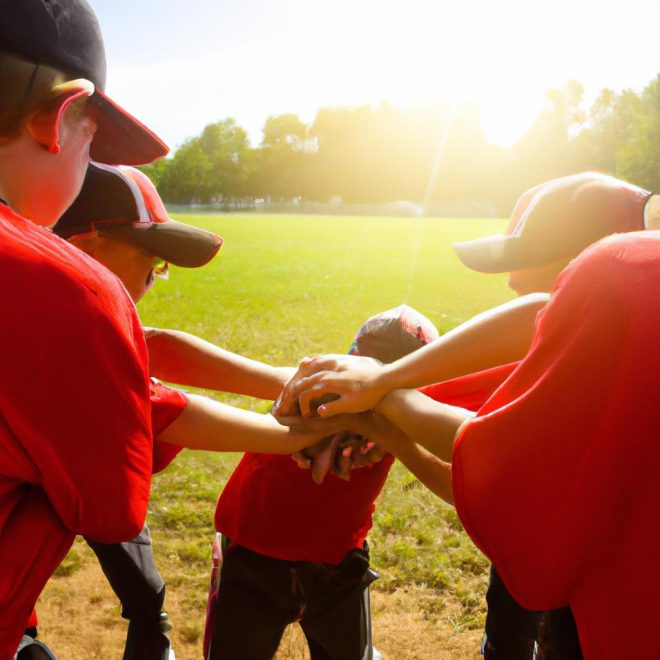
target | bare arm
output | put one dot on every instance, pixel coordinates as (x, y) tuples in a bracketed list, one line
[(179, 357), (427, 433), (213, 426), (432, 471), (432, 424), (498, 336)]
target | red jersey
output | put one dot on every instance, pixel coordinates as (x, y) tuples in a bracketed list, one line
[(271, 506), (556, 479), (75, 432)]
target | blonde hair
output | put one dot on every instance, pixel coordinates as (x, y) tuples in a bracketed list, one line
[(24, 87)]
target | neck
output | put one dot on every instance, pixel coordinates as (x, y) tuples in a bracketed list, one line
[(23, 187)]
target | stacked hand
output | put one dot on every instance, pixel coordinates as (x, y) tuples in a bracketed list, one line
[(327, 386), (354, 381), (339, 454)]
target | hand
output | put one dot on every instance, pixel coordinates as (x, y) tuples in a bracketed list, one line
[(354, 380), (315, 432), (351, 449), (339, 454)]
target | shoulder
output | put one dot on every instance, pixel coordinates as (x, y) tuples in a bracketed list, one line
[(620, 254), (56, 287), (618, 270)]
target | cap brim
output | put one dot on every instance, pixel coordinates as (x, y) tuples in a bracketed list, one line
[(121, 139), (498, 254), (175, 242)]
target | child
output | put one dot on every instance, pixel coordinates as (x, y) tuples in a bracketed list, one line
[(119, 219), (66, 323), (297, 551), (550, 225)]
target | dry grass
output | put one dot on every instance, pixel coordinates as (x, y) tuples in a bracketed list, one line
[(79, 619)]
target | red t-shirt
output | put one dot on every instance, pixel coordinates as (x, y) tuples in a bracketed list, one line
[(556, 479), (271, 506), (75, 432)]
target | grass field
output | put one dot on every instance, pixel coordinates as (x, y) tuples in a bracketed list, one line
[(284, 287)]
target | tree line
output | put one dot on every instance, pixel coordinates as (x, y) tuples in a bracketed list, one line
[(373, 155)]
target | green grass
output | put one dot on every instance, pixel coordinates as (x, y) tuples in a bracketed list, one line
[(284, 287)]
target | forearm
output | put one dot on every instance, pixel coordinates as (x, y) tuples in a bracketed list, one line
[(498, 336), (213, 426), (434, 473), (179, 357), (431, 424)]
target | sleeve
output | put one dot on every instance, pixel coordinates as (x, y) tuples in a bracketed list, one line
[(166, 406), (535, 474), (75, 396)]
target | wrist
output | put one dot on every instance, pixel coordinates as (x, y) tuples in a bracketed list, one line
[(387, 404), (384, 380)]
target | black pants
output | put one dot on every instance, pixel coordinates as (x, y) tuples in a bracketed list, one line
[(132, 574), (259, 596), (514, 633)]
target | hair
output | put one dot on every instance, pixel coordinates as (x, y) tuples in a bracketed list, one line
[(24, 86)]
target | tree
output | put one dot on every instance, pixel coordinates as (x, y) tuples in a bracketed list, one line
[(279, 167), (187, 177), (225, 144), (284, 131), (639, 155)]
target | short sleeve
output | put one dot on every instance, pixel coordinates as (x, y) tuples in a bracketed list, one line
[(167, 404)]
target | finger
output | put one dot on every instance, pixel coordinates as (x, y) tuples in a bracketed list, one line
[(323, 462), (314, 388), (345, 467), (288, 399), (328, 362), (301, 460)]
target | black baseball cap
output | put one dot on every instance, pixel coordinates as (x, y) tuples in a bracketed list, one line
[(121, 203), (65, 35)]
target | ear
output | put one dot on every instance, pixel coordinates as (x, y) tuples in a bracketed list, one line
[(44, 123)]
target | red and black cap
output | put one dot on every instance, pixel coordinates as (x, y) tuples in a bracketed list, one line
[(557, 220), (121, 203), (65, 35), (394, 333)]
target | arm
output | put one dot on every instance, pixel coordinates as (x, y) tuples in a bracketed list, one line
[(433, 472), (429, 469), (425, 438), (213, 426), (495, 337), (429, 423), (179, 357)]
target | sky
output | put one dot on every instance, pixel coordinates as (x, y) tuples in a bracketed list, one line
[(178, 66)]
